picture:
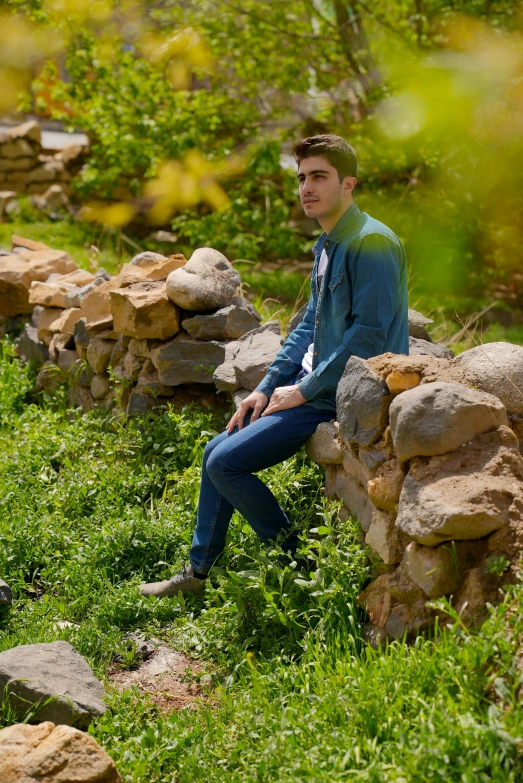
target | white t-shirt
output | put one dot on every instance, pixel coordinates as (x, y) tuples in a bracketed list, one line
[(307, 359)]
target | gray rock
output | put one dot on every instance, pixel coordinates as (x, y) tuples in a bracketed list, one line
[(258, 350), (37, 672), (183, 360), (438, 570), (84, 375), (227, 323), (424, 348), (149, 382), (417, 325), (100, 387), (466, 494), (119, 351), (75, 296), (362, 403), (30, 348), (67, 359), (6, 594), (436, 418), (98, 354), (323, 447), (355, 498), (497, 368), (206, 282), (140, 403), (239, 396), (81, 334), (147, 257), (297, 318)]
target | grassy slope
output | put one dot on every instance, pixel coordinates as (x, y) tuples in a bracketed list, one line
[(90, 505)]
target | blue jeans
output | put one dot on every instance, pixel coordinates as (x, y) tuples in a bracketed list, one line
[(228, 483)]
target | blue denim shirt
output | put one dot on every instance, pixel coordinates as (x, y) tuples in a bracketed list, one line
[(361, 309)]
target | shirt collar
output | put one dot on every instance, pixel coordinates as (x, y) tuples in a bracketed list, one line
[(339, 230)]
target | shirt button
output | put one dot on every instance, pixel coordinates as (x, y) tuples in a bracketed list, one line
[(315, 353), (317, 322)]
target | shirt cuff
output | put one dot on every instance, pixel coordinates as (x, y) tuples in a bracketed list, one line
[(310, 387), (267, 386)]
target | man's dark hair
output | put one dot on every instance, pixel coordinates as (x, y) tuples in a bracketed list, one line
[(336, 150)]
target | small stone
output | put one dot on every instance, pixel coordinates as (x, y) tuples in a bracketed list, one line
[(118, 352), (357, 469), (385, 488), (38, 672), (6, 594), (323, 446), (362, 403), (98, 354), (66, 321), (439, 570), (96, 303), (374, 636), (402, 381), (437, 418), (385, 538), (149, 272), (30, 348), (149, 382), (77, 295), (425, 348), (229, 322), (140, 403), (355, 498), (29, 244), (417, 325), (100, 387), (239, 396), (49, 378), (30, 131), (207, 281), (54, 198), (132, 366), (67, 359), (147, 257)]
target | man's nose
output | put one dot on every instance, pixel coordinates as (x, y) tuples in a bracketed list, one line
[(306, 188)]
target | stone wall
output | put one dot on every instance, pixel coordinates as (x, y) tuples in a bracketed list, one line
[(426, 452), (27, 167), (162, 330), (427, 455)]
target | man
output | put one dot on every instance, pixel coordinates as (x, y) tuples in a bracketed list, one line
[(358, 305)]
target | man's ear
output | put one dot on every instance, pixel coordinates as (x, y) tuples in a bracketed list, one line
[(348, 185)]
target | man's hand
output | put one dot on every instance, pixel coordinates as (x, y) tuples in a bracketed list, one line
[(257, 401), (283, 398)]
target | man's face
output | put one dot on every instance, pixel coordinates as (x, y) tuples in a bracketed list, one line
[(321, 192)]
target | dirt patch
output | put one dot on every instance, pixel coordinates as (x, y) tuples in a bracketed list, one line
[(167, 677)]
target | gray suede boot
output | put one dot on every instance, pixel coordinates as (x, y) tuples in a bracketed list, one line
[(183, 582)]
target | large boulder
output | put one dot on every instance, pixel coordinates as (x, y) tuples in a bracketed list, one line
[(419, 347), (436, 418), (227, 323), (206, 282), (466, 494), (184, 360), (362, 403), (247, 359), (53, 754), (497, 368), (54, 675), (418, 325), (143, 310), (149, 270)]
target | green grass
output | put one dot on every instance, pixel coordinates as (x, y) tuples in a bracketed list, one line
[(92, 504)]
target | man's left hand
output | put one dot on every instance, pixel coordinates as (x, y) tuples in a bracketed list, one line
[(283, 398)]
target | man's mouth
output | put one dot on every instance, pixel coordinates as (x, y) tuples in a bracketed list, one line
[(310, 200)]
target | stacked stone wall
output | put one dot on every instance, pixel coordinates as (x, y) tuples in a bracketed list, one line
[(161, 330), (429, 462), (27, 167)]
